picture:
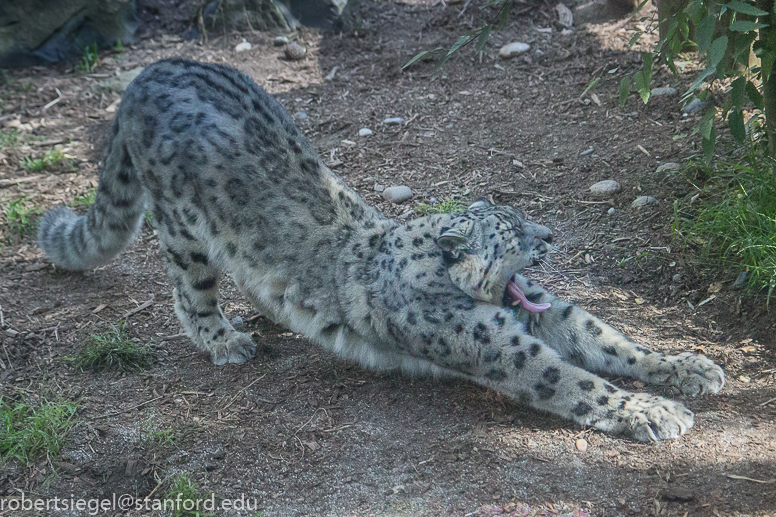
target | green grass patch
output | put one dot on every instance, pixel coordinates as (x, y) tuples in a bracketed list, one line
[(736, 222), (90, 58), (85, 199), (9, 138), (51, 158), (20, 215), (29, 431), (113, 350), (445, 206), (187, 497)]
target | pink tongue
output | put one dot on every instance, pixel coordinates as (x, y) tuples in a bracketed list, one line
[(529, 306)]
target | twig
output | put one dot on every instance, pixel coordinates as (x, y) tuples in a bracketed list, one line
[(129, 409), (2, 318), (47, 106), (768, 402), (744, 478), (139, 308), (254, 381)]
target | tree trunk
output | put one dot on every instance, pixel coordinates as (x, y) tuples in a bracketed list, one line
[(768, 36)]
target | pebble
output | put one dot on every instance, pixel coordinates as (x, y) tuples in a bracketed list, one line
[(605, 188), (667, 90), (295, 51), (611, 211), (279, 41), (677, 277), (243, 46), (397, 194), (301, 115), (643, 200), (694, 106), (348, 142), (238, 323), (741, 279), (379, 188), (364, 131), (587, 151), (513, 49), (670, 166), (393, 121)]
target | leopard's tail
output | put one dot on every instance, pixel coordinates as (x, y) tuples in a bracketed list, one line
[(85, 242)]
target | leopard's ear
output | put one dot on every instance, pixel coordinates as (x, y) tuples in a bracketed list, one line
[(452, 240), (481, 202)]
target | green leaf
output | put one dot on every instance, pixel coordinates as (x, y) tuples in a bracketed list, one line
[(754, 95), (591, 86), (483, 39), (766, 64), (420, 56), (709, 144), (461, 41), (646, 60), (741, 7), (717, 50), (738, 93), (704, 33), (706, 125), (503, 15), (642, 85), (635, 38), (736, 125), (625, 85), (746, 26), (693, 7)]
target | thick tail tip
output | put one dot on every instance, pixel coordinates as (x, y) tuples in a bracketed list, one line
[(54, 233)]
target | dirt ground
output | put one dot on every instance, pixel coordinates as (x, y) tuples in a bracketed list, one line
[(307, 434)]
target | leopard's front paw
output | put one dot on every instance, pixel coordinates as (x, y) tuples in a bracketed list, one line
[(651, 418), (238, 347), (693, 374)]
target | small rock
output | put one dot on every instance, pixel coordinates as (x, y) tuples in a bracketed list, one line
[(11, 332), (349, 143), (605, 188), (243, 46), (677, 277), (643, 200), (694, 106), (670, 166), (364, 131), (513, 49), (587, 151), (393, 121), (397, 194), (238, 323), (279, 41), (581, 444), (295, 51), (611, 211), (740, 279), (301, 115), (379, 188), (667, 90), (565, 17)]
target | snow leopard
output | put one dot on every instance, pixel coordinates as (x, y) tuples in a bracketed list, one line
[(237, 188)]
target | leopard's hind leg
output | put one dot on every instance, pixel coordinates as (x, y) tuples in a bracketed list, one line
[(196, 298)]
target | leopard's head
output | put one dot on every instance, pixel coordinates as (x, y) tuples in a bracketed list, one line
[(485, 246)]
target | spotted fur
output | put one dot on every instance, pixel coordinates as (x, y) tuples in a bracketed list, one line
[(236, 187)]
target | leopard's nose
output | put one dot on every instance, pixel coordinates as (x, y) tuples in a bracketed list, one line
[(544, 233)]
